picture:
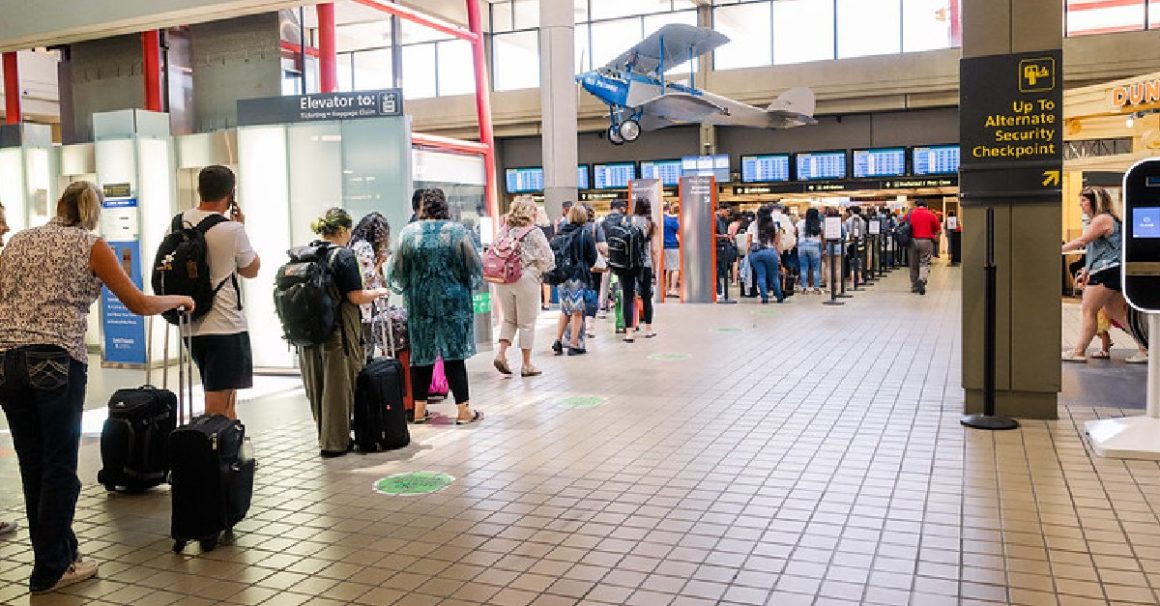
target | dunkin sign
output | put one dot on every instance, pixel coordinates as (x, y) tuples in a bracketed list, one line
[(1136, 93)]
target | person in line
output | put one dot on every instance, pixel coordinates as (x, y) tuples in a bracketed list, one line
[(810, 251), (220, 345), (6, 527), (646, 279), (592, 294), (726, 248), (565, 208), (579, 246), (416, 200), (371, 244), (517, 301), (925, 230), (833, 251), (436, 268), (1100, 275), (58, 270), (618, 209), (672, 244), (855, 227), (545, 225), (763, 240), (329, 370)]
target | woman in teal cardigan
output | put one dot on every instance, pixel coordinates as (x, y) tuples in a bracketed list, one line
[(436, 268)]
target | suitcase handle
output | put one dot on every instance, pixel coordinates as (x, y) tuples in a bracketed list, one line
[(184, 364)]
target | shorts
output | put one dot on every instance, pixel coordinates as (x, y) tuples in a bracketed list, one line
[(672, 259), (224, 361), (1109, 278)]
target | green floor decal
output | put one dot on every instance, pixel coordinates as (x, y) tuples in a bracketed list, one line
[(727, 329), (419, 482), (764, 312), (669, 356), (582, 402)]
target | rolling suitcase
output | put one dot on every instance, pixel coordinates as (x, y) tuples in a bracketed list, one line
[(380, 413), (212, 472), (135, 436)]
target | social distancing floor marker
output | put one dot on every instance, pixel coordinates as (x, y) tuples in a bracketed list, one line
[(669, 356), (413, 483), (727, 329), (582, 402)]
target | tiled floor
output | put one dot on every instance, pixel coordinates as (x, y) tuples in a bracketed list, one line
[(799, 454)]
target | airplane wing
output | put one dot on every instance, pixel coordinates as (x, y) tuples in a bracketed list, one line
[(664, 110), (674, 43)]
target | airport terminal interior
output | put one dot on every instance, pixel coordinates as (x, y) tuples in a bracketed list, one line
[(878, 440)]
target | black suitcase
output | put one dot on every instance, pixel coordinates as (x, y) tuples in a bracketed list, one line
[(135, 435), (380, 416), (212, 472)]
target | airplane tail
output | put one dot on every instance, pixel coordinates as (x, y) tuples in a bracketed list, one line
[(797, 100)]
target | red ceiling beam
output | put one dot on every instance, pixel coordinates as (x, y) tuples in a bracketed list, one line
[(448, 144)]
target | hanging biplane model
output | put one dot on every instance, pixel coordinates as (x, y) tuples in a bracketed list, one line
[(640, 99)]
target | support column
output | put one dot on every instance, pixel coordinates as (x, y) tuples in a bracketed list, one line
[(11, 89), (558, 103), (1028, 216), (327, 55), (483, 108), (151, 68)]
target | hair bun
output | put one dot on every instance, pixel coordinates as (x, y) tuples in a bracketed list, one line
[(318, 226)]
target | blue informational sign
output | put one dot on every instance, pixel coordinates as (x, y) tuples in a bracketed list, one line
[(124, 330), (1146, 222)]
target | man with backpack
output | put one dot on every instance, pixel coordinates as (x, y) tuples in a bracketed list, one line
[(220, 345), (619, 207)]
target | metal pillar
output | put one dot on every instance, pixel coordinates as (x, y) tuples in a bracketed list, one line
[(151, 68), (483, 106), (11, 89), (327, 57)]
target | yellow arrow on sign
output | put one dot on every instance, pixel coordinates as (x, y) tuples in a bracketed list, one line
[(1050, 177)]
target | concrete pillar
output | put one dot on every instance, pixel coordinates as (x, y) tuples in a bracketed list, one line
[(1027, 243), (558, 103), (233, 59), (708, 135)]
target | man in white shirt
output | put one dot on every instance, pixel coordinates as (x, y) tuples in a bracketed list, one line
[(220, 345)]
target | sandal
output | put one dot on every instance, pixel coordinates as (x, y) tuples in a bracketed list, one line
[(420, 421), (650, 335), (1139, 358), (478, 416), (1102, 354), (502, 366), (530, 372), (1071, 356)]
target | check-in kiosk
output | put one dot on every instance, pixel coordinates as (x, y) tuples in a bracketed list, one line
[(1138, 437)]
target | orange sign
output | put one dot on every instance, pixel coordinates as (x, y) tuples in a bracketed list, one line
[(1136, 93)]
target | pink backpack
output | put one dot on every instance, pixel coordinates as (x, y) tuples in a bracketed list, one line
[(502, 263)]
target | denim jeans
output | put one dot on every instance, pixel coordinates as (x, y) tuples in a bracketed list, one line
[(810, 263), (42, 391), (765, 262)]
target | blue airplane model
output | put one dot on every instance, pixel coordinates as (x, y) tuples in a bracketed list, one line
[(639, 98)]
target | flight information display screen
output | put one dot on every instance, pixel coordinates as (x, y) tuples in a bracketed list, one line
[(765, 168), (821, 165), (668, 171), (582, 177), (1146, 222), (936, 160), (716, 165), (883, 162), (524, 180), (614, 175)]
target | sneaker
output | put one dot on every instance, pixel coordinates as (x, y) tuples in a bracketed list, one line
[(80, 570), (558, 348), (8, 527), (1138, 358)]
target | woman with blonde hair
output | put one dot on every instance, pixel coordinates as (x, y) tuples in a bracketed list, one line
[(57, 271), (518, 301), (329, 370), (1100, 275)]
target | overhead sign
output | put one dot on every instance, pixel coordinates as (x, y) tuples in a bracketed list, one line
[(1011, 119), (1136, 93), (320, 107), (847, 185)]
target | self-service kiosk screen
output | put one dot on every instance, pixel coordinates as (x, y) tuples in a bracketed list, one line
[(1146, 221)]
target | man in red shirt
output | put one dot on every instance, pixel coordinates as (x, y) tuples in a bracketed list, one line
[(924, 230)]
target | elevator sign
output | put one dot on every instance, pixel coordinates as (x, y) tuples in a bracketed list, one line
[(320, 107), (1011, 126)]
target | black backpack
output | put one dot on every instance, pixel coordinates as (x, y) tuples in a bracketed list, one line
[(568, 259), (902, 232), (305, 296), (181, 266), (626, 244)]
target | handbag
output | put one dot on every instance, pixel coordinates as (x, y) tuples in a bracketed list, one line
[(601, 260)]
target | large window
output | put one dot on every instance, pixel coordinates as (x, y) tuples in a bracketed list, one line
[(610, 38), (1086, 17), (456, 69), (868, 27), (803, 30), (750, 32), (372, 69), (419, 71), (611, 9), (516, 60), (652, 23), (927, 25)]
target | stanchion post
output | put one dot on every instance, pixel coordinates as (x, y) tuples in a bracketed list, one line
[(988, 420), (841, 244), (724, 272), (833, 300)]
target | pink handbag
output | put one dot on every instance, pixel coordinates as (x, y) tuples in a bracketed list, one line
[(439, 387)]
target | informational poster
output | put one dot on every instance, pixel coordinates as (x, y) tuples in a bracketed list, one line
[(833, 228), (875, 227), (952, 223), (124, 331)]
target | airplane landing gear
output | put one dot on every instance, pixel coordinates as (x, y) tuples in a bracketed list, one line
[(629, 130), (614, 136)]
